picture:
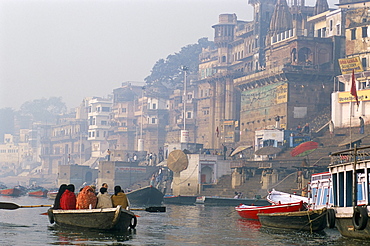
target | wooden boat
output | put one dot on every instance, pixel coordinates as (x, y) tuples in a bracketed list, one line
[(278, 197), (224, 201), (38, 192), (250, 212), (15, 191), (180, 200), (148, 195), (111, 219), (350, 170), (310, 220)]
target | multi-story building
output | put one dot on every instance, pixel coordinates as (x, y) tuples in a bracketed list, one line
[(273, 66), (99, 119), (345, 111)]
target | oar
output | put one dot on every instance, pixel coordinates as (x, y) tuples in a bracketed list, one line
[(150, 209), (9, 205)]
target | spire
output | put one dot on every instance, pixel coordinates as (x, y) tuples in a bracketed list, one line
[(281, 19), (321, 6)]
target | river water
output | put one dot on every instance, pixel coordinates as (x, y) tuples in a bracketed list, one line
[(180, 225)]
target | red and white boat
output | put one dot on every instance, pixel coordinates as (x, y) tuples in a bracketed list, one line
[(250, 212)]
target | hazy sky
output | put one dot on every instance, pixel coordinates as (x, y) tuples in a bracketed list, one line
[(80, 48)]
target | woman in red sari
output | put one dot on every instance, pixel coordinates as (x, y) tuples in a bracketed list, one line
[(68, 199), (86, 198)]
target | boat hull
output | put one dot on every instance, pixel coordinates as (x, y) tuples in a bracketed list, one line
[(11, 192), (344, 224), (311, 220), (110, 219), (38, 193), (180, 200), (145, 196), (222, 201), (250, 212)]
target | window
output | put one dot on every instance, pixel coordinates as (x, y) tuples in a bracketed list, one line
[(364, 62), (364, 31), (154, 106), (319, 33), (97, 134), (154, 120), (338, 29), (331, 25), (353, 34), (123, 110), (188, 115)]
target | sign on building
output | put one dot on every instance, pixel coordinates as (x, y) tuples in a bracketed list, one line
[(348, 64)]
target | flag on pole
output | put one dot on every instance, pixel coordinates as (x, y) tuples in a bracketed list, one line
[(353, 88)]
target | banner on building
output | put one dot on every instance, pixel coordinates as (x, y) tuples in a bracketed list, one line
[(347, 65), (345, 96)]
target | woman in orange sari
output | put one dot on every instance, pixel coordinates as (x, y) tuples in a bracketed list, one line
[(86, 198)]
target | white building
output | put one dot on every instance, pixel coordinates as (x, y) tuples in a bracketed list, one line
[(99, 113), (344, 104)]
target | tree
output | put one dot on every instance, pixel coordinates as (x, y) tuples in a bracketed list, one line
[(168, 72), (44, 110)]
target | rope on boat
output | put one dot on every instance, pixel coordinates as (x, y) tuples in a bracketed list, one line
[(310, 222)]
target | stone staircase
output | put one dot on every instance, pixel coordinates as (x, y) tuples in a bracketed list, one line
[(222, 188)]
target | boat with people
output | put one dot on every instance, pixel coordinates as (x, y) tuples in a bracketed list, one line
[(350, 170), (148, 195), (226, 201), (108, 219), (309, 220), (250, 212)]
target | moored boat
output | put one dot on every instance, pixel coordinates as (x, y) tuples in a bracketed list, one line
[(52, 194), (38, 192), (225, 201), (350, 170), (250, 212), (279, 197), (111, 219), (310, 220), (148, 195), (15, 191), (180, 200)]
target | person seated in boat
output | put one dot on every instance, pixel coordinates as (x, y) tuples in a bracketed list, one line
[(61, 190), (119, 198), (86, 198), (104, 199), (68, 199)]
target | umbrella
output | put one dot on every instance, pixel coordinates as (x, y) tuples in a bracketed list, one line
[(177, 161), (240, 149), (268, 150), (304, 149)]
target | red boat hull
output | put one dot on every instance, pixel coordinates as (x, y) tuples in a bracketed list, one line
[(11, 192), (250, 212), (38, 193)]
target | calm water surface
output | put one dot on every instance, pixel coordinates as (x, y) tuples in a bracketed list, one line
[(180, 225)]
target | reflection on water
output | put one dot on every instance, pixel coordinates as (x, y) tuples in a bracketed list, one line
[(180, 225), (82, 236)]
